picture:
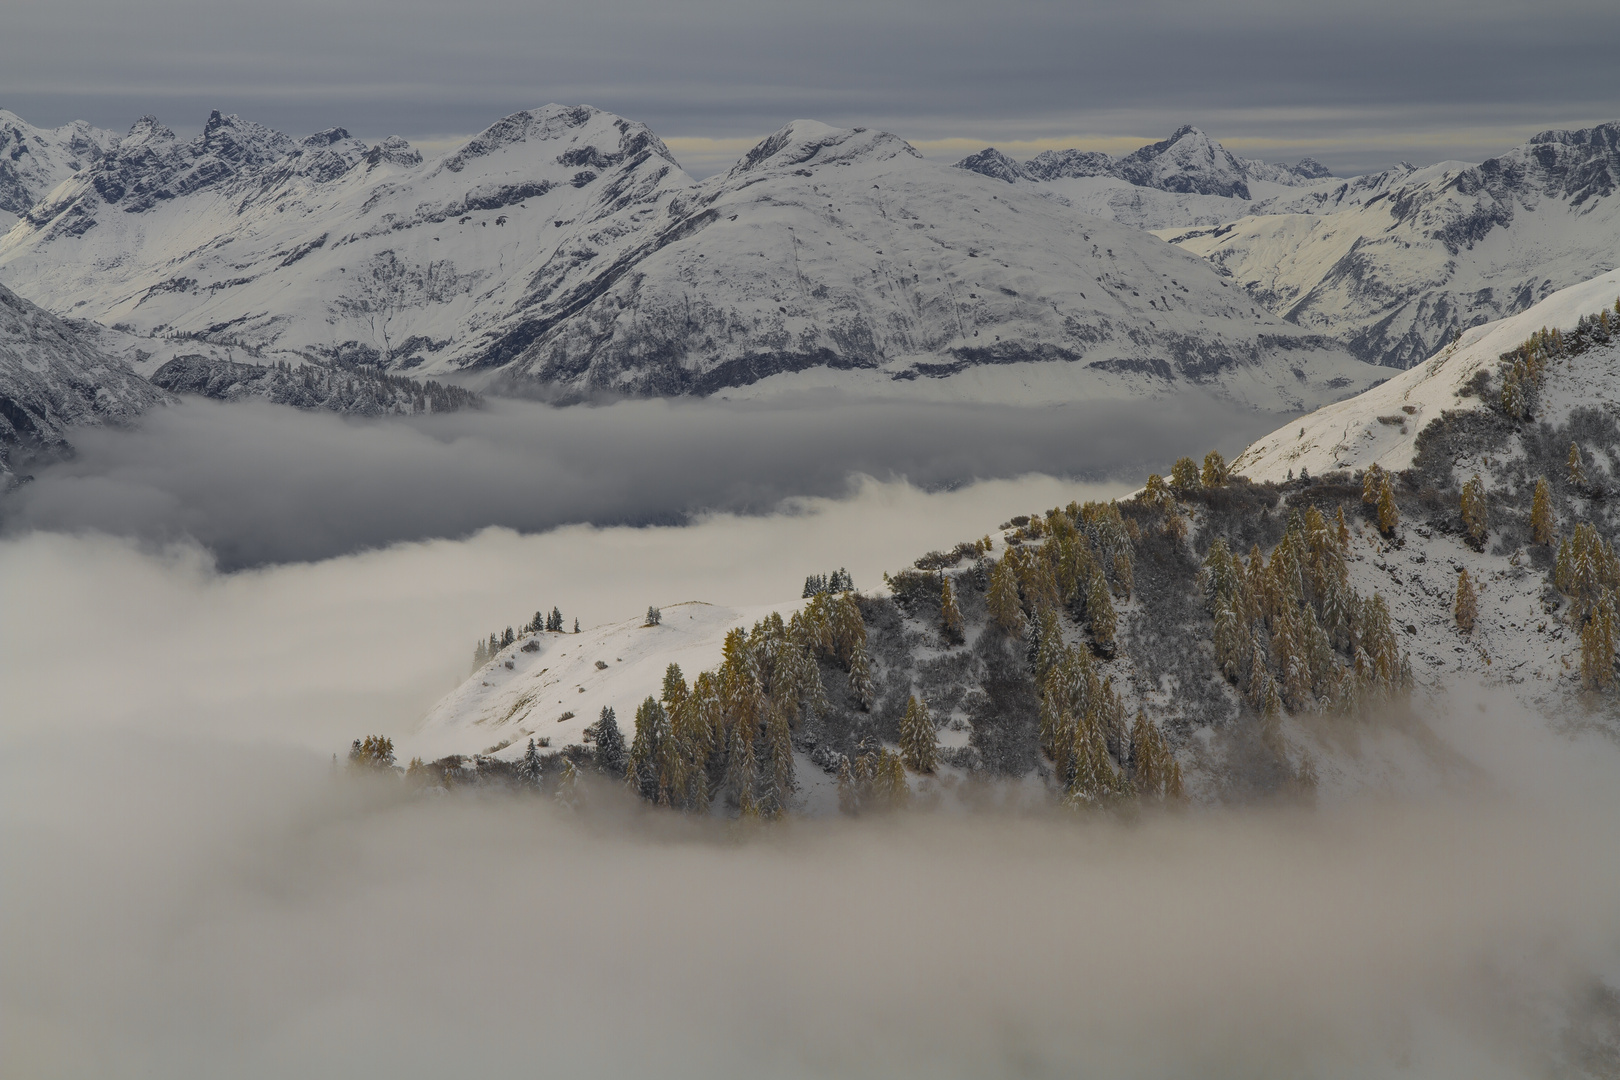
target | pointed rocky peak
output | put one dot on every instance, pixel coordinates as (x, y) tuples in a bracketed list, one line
[(394, 151), (324, 138), (1069, 164), (145, 131), (1188, 162), (1311, 169), (810, 143), (994, 164), (241, 143), (589, 137)]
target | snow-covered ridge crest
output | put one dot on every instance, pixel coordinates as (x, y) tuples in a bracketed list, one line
[(1188, 162), (812, 143), (1381, 426), (34, 161)]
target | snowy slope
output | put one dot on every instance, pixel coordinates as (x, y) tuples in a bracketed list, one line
[(1350, 435), (51, 379), (564, 249), (33, 161), (1444, 248), (500, 708)]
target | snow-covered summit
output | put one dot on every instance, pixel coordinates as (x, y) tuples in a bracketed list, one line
[(33, 161), (805, 143)]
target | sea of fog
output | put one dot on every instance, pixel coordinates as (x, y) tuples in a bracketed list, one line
[(196, 616)]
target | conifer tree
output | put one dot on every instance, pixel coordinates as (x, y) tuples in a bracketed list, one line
[(1388, 515), (1006, 610), (480, 654), (654, 767), (1184, 476), (860, 680), (610, 751), (1157, 493), (950, 616), (531, 768), (576, 624), (918, 742), (1576, 474), (1124, 580), (1541, 515), (1215, 473), (1372, 482), (1341, 532), (1467, 606), (779, 781), (1474, 510), (1598, 640), (1100, 614)]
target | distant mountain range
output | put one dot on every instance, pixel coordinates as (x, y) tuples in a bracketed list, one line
[(563, 251)]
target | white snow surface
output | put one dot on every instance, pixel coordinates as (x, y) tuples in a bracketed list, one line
[(565, 247), (1350, 434), (498, 709)]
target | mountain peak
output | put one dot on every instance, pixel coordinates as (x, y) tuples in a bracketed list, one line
[(992, 163), (813, 143)]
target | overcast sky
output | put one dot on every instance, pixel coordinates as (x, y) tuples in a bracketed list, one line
[(1357, 85)]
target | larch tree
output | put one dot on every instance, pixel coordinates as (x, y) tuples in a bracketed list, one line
[(1576, 473), (1388, 514), (1184, 476), (1371, 484), (1466, 608), (531, 768), (1005, 609), (1541, 514), (1215, 472), (918, 743)]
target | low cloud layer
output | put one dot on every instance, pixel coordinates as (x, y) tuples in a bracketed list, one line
[(187, 910), (257, 484), (190, 891)]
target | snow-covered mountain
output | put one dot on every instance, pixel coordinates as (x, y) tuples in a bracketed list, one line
[(844, 249), (563, 249), (34, 160), (51, 379), (1395, 265), (1187, 179)]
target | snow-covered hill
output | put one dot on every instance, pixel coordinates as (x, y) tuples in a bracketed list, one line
[(33, 161), (1397, 264), (1381, 426), (553, 685), (51, 379), (565, 250)]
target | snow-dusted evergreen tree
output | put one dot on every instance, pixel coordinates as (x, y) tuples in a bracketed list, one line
[(610, 751), (918, 743), (653, 767), (1185, 477), (531, 768), (576, 625), (860, 680), (1215, 472), (480, 654), (1575, 472), (654, 616)]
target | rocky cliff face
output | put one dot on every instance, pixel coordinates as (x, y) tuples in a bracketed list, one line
[(51, 379), (34, 160)]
